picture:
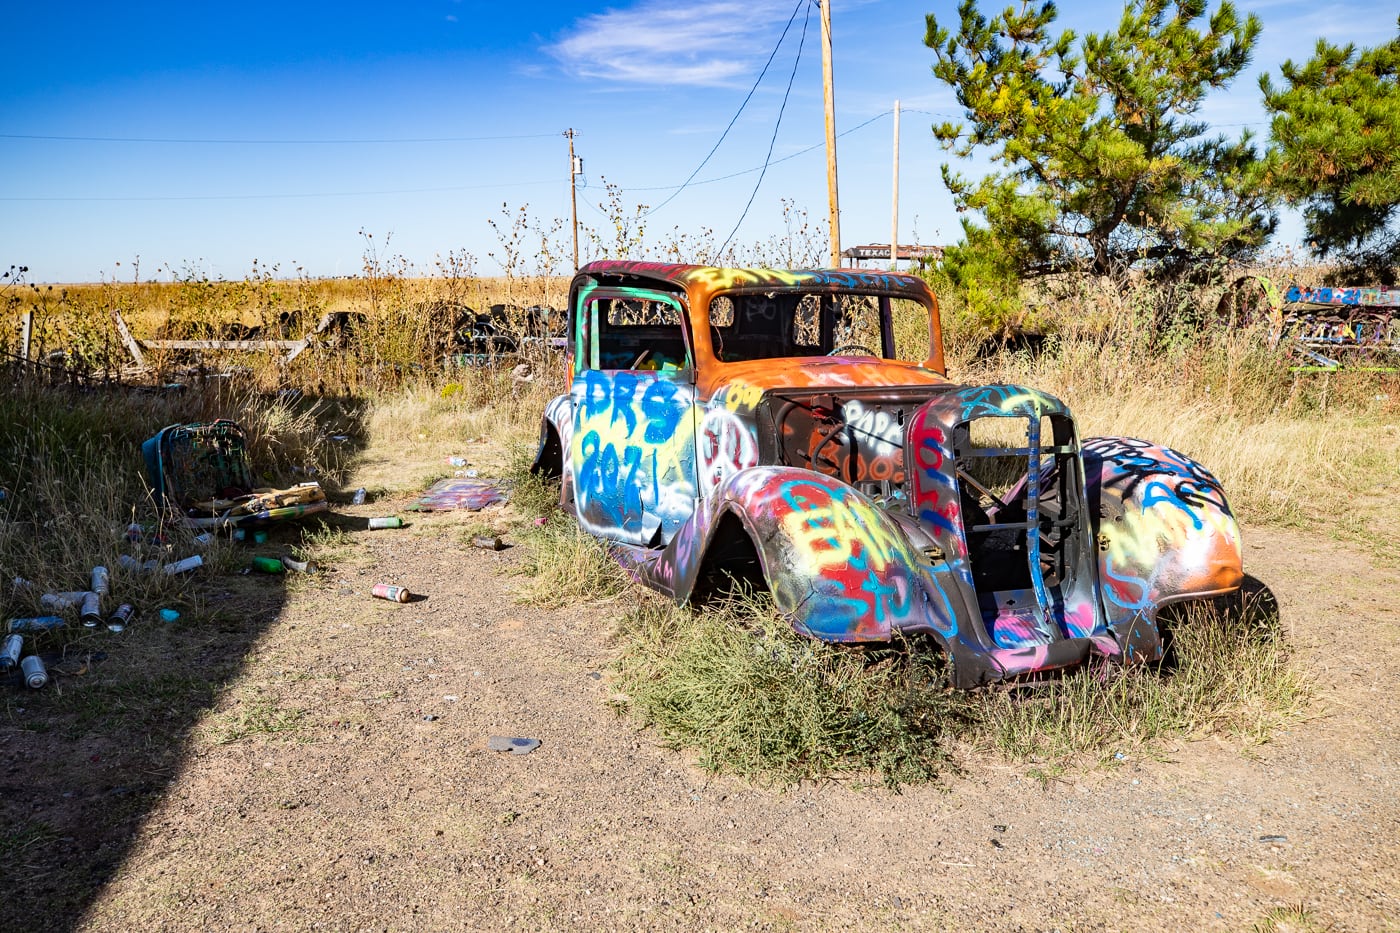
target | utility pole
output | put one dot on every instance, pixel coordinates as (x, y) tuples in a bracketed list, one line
[(829, 94), (575, 170), (894, 199)]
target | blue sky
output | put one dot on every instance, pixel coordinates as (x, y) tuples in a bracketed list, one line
[(202, 137)]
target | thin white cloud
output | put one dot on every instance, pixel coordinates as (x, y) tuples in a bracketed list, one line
[(665, 42)]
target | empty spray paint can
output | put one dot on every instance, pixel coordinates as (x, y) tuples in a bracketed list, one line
[(267, 565), (91, 611), (36, 623), (150, 566), (121, 617), (395, 594), (35, 675), (101, 581), (127, 562), (487, 542), (457, 461), (391, 521), (203, 539), (69, 599), (184, 566), (300, 566), (10, 652), (359, 497)]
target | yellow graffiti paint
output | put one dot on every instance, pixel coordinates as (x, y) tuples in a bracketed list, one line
[(826, 536), (733, 278), (741, 395)]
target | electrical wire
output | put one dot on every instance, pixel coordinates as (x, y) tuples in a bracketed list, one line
[(758, 168), (275, 197), (737, 113), (801, 43), (274, 142)]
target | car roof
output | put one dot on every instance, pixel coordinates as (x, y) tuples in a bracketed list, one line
[(714, 279)]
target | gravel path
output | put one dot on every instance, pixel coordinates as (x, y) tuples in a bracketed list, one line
[(376, 804)]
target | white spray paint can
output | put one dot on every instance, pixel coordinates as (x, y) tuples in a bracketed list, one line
[(184, 566), (35, 675), (70, 599), (91, 611), (9, 654), (101, 581)]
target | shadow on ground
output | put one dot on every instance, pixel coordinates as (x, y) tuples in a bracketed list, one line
[(87, 759)]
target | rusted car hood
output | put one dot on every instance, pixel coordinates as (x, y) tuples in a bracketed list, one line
[(816, 372)]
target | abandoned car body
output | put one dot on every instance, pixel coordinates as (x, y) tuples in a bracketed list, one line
[(761, 425)]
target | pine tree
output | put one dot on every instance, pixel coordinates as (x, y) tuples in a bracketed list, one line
[(1335, 152), (1105, 167)]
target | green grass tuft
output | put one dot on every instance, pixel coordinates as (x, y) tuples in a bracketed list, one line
[(752, 698)]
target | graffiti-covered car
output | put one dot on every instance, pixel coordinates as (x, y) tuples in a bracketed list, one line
[(796, 430)]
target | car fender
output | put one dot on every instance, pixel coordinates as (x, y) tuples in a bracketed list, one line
[(839, 567), (557, 426), (1163, 527)]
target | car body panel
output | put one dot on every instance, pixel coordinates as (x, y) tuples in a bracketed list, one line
[(871, 495)]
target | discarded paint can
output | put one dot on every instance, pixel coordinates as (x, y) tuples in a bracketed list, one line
[(127, 562), (487, 542), (10, 652), (457, 461), (59, 601), (243, 534), (121, 617), (150, 566), (36, 623), (35, 676), (203, 539), (134, 532), (359, 497), (91, 611), (184, 566), (390, 521), (101, 581), (395, 594), (300, 566), (267, 565)]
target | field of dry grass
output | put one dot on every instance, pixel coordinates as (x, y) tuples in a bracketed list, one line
[(1308, 457)]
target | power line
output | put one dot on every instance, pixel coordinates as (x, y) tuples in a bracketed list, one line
[(352, 194), (801, 43), (737, 113), (275, 142), (273, 197), (759, 168)]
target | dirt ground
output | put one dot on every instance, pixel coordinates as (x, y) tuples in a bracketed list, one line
[(341, 779)]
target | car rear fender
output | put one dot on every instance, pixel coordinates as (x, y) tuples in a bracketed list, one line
[(1163, 528)]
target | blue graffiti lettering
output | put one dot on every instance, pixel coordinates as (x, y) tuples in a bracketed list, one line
[(663, 411)]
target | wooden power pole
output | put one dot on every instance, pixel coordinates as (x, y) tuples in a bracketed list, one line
[(575, 170), (829, 94), (894, 199)]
